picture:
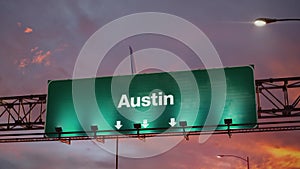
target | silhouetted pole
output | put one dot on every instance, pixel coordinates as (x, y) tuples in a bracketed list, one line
[(117, 152)]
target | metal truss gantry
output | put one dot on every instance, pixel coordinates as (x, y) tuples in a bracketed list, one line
[(278, 109), (278, 97), (22, 112)]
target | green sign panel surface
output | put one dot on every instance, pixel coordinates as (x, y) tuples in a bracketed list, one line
[(156, 103)]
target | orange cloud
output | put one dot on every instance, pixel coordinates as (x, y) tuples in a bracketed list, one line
[(41, 57), (264, 151), (23, 63), (28, 30), (34, 49), (283, 157)]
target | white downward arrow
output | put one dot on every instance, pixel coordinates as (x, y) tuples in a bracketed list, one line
[(118, 125), (172, 122), (145, 124)]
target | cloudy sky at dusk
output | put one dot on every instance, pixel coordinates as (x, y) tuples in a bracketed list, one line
[(41, 40)]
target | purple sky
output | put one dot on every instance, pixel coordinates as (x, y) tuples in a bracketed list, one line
[(41, 40)]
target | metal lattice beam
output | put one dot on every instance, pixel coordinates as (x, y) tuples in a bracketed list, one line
[(22, 112), (279, 97)]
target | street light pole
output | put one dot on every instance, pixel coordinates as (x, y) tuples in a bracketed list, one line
[(117, 152), (263, 21), (248, 165), (230, 155)]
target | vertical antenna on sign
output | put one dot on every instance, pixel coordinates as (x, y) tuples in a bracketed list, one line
[(132, 63)]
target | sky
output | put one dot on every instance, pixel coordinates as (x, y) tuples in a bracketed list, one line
[(41, 40)]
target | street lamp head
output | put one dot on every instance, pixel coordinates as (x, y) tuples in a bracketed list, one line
[(263, 21), (219, 156), (137, 125), (58, 129), (259, 23), (94, 128), (183, 123)]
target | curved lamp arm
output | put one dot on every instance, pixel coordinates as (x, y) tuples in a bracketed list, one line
[(231, 155), (264, 21)]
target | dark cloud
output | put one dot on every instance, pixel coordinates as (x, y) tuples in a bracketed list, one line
[(4, 164)]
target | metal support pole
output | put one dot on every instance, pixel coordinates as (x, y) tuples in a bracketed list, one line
[(248, 165), (117, 152)]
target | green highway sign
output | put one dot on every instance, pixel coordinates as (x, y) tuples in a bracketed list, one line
[(154, 103)]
